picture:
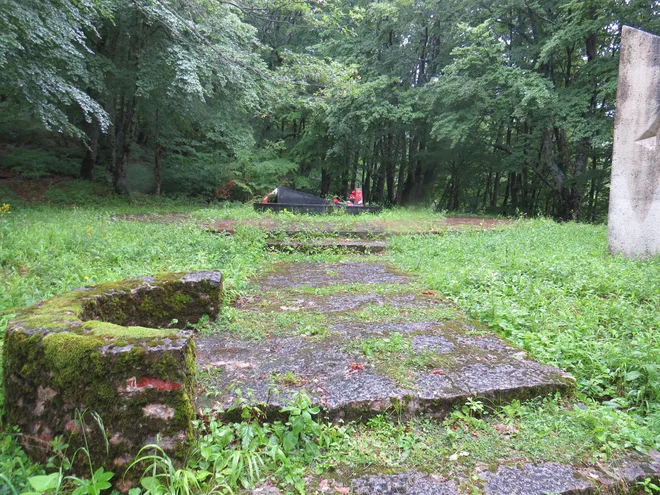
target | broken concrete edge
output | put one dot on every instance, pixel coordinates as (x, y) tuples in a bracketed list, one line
[(400, 408), (94, 350), (623, 475)]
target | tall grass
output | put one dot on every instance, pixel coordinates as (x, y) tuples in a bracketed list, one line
[(554, 290)]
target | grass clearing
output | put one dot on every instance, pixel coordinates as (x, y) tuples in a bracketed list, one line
[(553, 290), (549, 288)]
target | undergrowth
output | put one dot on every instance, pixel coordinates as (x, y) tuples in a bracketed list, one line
[(549, 288), (555, 291)]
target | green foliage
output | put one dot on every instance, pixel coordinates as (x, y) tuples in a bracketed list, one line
[(550, 288), (200, 174), (15, 467), (553, 290), (43, 59), (37, 163), (58, 480), (233, 456), (535, 431)]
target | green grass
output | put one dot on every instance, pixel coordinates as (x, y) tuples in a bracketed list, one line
[(541, 430), (549, 288), (553, 290)]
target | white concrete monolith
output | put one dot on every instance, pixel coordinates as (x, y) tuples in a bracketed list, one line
[(634, 216)]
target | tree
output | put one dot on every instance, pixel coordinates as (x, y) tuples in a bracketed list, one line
[(44, 63)]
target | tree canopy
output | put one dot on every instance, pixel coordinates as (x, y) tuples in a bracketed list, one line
[(485, 106)]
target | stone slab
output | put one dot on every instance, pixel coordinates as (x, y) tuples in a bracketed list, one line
[(311, 274), (545, 478), (410, 483), (335, 244), (342, 380), (436, 366), (634, 211)]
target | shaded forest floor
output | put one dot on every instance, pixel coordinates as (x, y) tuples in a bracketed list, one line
[(548, 288)]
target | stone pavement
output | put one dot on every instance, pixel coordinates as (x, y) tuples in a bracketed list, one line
[(361, 339), (412, 364)]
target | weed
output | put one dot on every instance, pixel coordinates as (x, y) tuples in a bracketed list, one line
[(549, 288), (553, 290), (286, 378)]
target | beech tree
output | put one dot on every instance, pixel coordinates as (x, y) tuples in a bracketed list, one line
[(484, 106)]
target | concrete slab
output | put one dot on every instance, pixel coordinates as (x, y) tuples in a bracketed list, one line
[(544, 478), (358, 368), (311, 274), (634, 215)]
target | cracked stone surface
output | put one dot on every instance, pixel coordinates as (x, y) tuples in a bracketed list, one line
[(438, 364), (312, 274), (404, 483), (618, 476)]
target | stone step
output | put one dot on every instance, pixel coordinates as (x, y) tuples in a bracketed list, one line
[(438, 369), (620, 476), (344, 245), (315, 275)]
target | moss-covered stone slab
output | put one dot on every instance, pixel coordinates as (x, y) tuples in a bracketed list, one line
[(119, 350), (433, 368), (374, 351)]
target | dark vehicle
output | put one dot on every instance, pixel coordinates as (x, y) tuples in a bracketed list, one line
[(284, 198)]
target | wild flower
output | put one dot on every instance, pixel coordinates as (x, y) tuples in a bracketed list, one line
[(5, 209)]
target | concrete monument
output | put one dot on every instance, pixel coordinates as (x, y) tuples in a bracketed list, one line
[(634, 216)]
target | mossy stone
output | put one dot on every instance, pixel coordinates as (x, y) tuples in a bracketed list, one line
[(108, 349)]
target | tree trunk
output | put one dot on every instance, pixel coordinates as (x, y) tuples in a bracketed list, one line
[(409, 186), (484, 201), (389, 157), (326, 180), (157, 181), (91, 153), (402, 170), (496, 190), (124, 138), (356, 163)]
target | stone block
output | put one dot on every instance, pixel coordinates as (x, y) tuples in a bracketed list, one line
[(634, 215), (119, 351)]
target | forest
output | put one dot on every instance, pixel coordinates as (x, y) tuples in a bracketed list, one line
[(483, 106), (476, 332)]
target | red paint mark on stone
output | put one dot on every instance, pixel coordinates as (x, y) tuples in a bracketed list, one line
[(133, 384), (45, 437)]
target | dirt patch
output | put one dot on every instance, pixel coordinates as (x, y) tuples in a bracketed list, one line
[(32, 190)]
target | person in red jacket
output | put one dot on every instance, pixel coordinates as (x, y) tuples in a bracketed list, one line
[(355, 198)]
